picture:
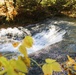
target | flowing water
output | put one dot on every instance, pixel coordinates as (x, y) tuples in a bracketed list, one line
[(45, 33)]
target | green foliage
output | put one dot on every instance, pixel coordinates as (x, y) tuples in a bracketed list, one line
[(26, 5), (36, 9), (47, 2), (52, 6)]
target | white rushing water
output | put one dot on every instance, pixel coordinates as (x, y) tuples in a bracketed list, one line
[(41, 40)]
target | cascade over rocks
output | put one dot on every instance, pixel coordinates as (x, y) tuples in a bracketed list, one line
[(11, 34)]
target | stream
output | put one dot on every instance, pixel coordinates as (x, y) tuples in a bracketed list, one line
[(45, 33)]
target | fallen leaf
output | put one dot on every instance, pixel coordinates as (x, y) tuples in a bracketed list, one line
[(15, 44)]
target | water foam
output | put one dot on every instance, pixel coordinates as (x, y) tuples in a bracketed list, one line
[(45, 38)]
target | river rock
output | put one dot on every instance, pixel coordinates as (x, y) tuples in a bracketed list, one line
[(71, 48)]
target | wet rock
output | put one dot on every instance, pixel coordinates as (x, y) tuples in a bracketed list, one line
[(71, 48)]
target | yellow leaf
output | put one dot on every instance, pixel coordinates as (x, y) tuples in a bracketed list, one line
[(27, 42), (15, 44), (47, 69), (7, 66), (27, 61), (23, 50), (21, 73), (21, 66), (70, 61), (3, 72), (74, 67), (10, 71), (50, 66), (4, 62), (56, 67), (49, 60), (69, 73), (13, 63)]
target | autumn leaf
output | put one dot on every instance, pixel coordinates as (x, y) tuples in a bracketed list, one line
[(4, 62), (23, 50), (56, 67), (50, 66), (19, 65), (27, 61), (70, 61), (74, 66), (15, 44), (27, 42), (47, 69), (7, 66), (13, 63), (20, 73), (3, 72), (49, 60), (70, 66), (10, 70)]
